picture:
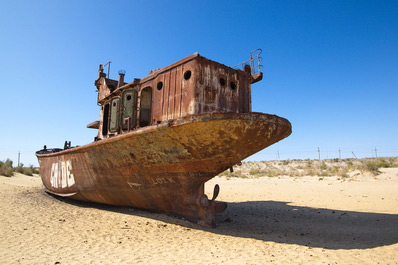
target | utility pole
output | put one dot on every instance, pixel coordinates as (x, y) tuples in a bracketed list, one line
[(376, 153), (319, 158), (339, 154), (19, 156), (279, 158), (354, 155)]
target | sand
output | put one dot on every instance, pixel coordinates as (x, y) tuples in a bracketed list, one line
[(268, 221)]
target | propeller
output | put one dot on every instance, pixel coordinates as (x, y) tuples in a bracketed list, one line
[(215, 192), (204, 201)]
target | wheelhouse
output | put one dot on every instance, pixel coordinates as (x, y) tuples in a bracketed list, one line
[(191, 86)]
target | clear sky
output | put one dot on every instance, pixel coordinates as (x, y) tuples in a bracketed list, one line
[(330, 67)]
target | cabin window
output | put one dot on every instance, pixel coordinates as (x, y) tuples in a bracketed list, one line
[(129, 109), (233, 85), (105, 120), (114, 116), (160, 85), (222, 81), (145, 106), (187, 74)]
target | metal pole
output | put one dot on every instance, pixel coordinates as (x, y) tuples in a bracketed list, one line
[(109, 67), (19, 156), (319, 158)]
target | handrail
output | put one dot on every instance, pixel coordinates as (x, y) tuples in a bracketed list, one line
[(254, 62)]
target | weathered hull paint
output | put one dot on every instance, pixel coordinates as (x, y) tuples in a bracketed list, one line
[(162, 167)]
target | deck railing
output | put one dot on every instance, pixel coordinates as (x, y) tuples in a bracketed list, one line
[(254, 62)]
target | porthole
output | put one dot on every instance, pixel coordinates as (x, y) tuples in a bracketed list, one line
[(160, 85), (128, 97), (222, 81), (114, 104), (232, 85), (187, 74)]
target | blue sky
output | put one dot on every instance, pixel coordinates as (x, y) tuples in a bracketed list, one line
[(330, 67)]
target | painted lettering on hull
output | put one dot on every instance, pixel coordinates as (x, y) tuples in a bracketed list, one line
[(61, 174), (154, 182), (134, 185), (161, 181)]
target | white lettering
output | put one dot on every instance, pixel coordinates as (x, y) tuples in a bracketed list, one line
[(134, 185), (54, 175), (71, 178), (61, 174), (162, 181)]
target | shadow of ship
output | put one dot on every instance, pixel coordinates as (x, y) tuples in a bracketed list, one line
[(283, 223)]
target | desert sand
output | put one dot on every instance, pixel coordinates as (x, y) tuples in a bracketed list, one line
[(280, 220)]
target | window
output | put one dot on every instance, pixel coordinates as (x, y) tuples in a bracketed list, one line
[(145, 106), (129, 109), (105, 120), (187, 74), (114, 116)]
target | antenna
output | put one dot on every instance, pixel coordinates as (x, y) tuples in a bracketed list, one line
[(109, 67)]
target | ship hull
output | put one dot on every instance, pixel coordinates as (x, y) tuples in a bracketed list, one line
[(162, 167)]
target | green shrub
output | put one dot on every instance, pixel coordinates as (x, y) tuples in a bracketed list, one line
[(6, 168), (345, 175), (271, 174), (20, 169), (325, 174), (371, 166), (237, 174), (28, 171), (257, 172), (35, 170), (386, 164)]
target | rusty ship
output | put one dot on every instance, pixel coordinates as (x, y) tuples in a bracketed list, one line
[(161, 137)]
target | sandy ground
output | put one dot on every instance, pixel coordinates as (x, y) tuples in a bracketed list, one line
[(268, 221)]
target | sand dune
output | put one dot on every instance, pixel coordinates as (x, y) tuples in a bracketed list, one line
[(268, 221)]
